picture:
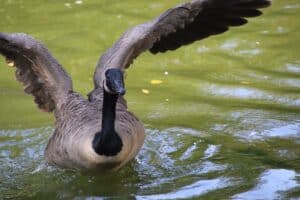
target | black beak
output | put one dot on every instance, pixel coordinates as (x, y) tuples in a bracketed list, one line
[(119, 87), (115, 81)]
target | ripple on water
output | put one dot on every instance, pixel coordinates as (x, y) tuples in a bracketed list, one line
[(237, 92), (247, 93), (290, 82), (255, 125), (189, 152), (164, 157), (21, 152), (292, 67), (196, 189), (230, 44), (211, 151), (279, 30), (242, 47), (286, 131), (202, 49), (292, 6), (272, 184)]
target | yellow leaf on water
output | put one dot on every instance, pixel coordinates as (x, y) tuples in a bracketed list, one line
[(245, 82), (156, 82), (11, 63), (145, 91)]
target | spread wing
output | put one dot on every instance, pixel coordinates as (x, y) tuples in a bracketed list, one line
[(41, 75), (200, 19), (178, 26)]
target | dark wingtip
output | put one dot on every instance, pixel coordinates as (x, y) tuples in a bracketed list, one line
[(248, 12), (267, 3), (256, 4), (153, 51)]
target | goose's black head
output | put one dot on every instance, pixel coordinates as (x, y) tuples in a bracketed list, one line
[(114, 81)]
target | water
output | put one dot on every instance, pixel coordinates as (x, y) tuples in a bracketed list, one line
[(223, 124)]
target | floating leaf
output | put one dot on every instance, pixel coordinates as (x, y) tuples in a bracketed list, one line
[(156, 82), (145, 91), (245, 82), (11, 63), (78, 2)]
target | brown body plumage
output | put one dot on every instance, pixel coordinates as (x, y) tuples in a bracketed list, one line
[(76, 124), (80, 126)]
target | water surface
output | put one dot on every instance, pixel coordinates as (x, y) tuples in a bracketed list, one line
[(223, 124)]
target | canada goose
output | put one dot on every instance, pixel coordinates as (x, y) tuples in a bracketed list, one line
[(99, 133)]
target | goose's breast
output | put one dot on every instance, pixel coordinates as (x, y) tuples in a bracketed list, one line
[(76, 126), (132, 133)]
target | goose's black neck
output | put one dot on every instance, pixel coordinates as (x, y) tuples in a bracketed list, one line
[(109, 111), (107, 142)]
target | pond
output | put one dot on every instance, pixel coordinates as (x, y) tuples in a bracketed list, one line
[(224, 122)]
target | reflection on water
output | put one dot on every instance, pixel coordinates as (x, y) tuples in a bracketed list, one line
[(211, 151), (258, 125), (255, 94), (292, 6), (295, 68), (271, 185), (242, 47), (288, 131), (223, 124), (194, 190)]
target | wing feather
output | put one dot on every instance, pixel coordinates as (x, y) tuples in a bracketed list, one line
[(178, 26), (41, 75)]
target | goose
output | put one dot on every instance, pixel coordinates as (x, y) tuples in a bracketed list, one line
[(99, 132)]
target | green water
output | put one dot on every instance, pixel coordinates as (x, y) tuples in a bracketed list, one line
[(224, 124)]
